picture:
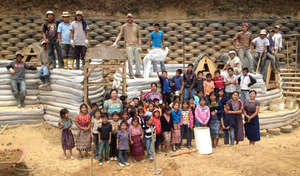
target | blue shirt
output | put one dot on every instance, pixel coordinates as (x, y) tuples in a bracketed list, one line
[(65, 30), (177, 81), (271, 42), (157, 39), (165, 84), (176, 116)]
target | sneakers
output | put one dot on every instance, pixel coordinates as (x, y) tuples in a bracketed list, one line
[(174, 148), (100, 164), (127, 164), (121, 164)]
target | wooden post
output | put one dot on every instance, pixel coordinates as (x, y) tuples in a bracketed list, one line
[(287, 54), (92, 158), (85, 83), (259, 61), (296, 60), (155, 171)]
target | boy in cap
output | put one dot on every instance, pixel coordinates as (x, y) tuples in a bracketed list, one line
[(79, 38), (130, 31), (242, 42), (233, 62), (261, 43), (64, 38), (50, 36), (44, 71), (17, 70)]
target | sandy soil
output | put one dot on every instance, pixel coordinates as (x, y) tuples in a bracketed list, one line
[(273, 156)]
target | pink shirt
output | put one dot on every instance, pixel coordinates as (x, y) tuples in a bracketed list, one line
[(135, 131), (202, 114)]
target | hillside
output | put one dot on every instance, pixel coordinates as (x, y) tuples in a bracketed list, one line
[(159, 9)]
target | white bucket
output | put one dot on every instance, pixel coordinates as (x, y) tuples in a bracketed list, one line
[(203, 140)]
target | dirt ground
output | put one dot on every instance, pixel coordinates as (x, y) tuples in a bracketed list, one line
[(273, 156)]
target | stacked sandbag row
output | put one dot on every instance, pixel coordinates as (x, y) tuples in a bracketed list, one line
[(6, 96)]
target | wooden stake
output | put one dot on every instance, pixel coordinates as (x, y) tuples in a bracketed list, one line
[(92, 158), (259, 61), (185, 152)]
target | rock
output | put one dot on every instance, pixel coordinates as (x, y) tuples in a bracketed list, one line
[(274, 131), (286, 129), (208, 29), (231, 25), (216, 33), (295, 124), (215, 25), (201, 40)]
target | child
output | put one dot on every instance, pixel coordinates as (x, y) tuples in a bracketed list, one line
[(157, 123), (176, 114), (167, 127), (44, 75), (245, 81), (156, 102), (125, 104), (104, 138), (219, 81), (148, 130), (96, 123), (94, 107), (176, 99), (141, 117), (208, 85), (135, 101), (230, 82), (67, 139), (166, 86), (176, 82), (187, 89), (115, 122), (136, 139), (197, 97), (214, 123), (124, 117), (198, 86), (123, 144), (187, 123), (202, 113), (149, 110)]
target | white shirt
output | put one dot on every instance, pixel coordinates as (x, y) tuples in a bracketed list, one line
[(245, 80), (277, 38), (79, 33), (236, 60), (230, 87), (96, 124), (260, 44)]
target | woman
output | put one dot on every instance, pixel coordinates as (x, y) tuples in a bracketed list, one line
[(233, 110), (83, 122), (250, 111), (152, 94), (113, 104)]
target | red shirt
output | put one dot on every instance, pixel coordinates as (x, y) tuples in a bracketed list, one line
[(219, 82), (157, 124)]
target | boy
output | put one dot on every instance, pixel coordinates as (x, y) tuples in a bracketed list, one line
[(135, 101), (219, 82), (230, 83), (157, 41), (104, 138), (208, 85), (245, 81), (17, 70), (198, 86), (44, 72), (124, 100), (177, 82), (166, 87), (188, 83), (149, 129), (94, 107)]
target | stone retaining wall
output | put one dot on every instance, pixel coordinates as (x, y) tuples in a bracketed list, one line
[(197, 36)]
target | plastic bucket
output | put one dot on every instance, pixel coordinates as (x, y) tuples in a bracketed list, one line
[(203, 140)]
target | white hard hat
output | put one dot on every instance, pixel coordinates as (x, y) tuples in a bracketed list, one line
[(49, 12), (263, 31)]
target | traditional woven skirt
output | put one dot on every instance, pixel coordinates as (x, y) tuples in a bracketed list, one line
[(67, 139), (176, 136), (137, 149), (83, 142), (214, 126), (167, 137)]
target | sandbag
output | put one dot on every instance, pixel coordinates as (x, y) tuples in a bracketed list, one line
[(59, 100), (67, 84), (68, 90), (15, 122), (14, 103), (20, 117), (56, 109), (75, 79), (11, 98), (61, 95)]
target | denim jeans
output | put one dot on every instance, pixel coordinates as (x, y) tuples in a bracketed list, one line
[(113, 145), (79, 54), (133, 54), (256, 60), (187, 94), (184, 129), (96, 144), (162, 66), (229, 134), (18, 88), (246, 58), (244, 95), (50, 49), (149, 147), (123, 158), (104, 145)]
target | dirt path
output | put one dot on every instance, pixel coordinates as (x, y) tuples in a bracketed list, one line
[(273, 156)]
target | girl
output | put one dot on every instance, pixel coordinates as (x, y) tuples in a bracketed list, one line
[(176, 114), (83, 122), (141, 117), (96, 123), (233, 110), (149, 110), (157, 123), (124, 117), (115, 122), (123, 144), (167, 127), (148, 130), (104, 138), (136, 138), (222, 99), (175, 99), (67, 139), (187, 123), (250, 111), (208, 85), (214, 122), (202, 113)]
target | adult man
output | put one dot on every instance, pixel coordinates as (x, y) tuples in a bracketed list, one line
[(261, 43), (64, 39), (230, 83), (271, 52), (50, 36), (277, 39), (79, 38), (245, 81), (17, 71), (44, 72), (233, 62), (130, 31), (189, 78), (242, 41), (157, 41)]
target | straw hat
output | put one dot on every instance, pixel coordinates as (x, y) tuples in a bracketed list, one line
[(263, 31), (65, 14), (79, 12)]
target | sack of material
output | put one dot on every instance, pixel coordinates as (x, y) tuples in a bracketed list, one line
[(154, 55)]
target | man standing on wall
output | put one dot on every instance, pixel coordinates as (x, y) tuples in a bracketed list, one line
[(64, 38), (50, 36), (79, 38), (157, 41), (261, 43), (242, 41), (131, 33), (277, 38)]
